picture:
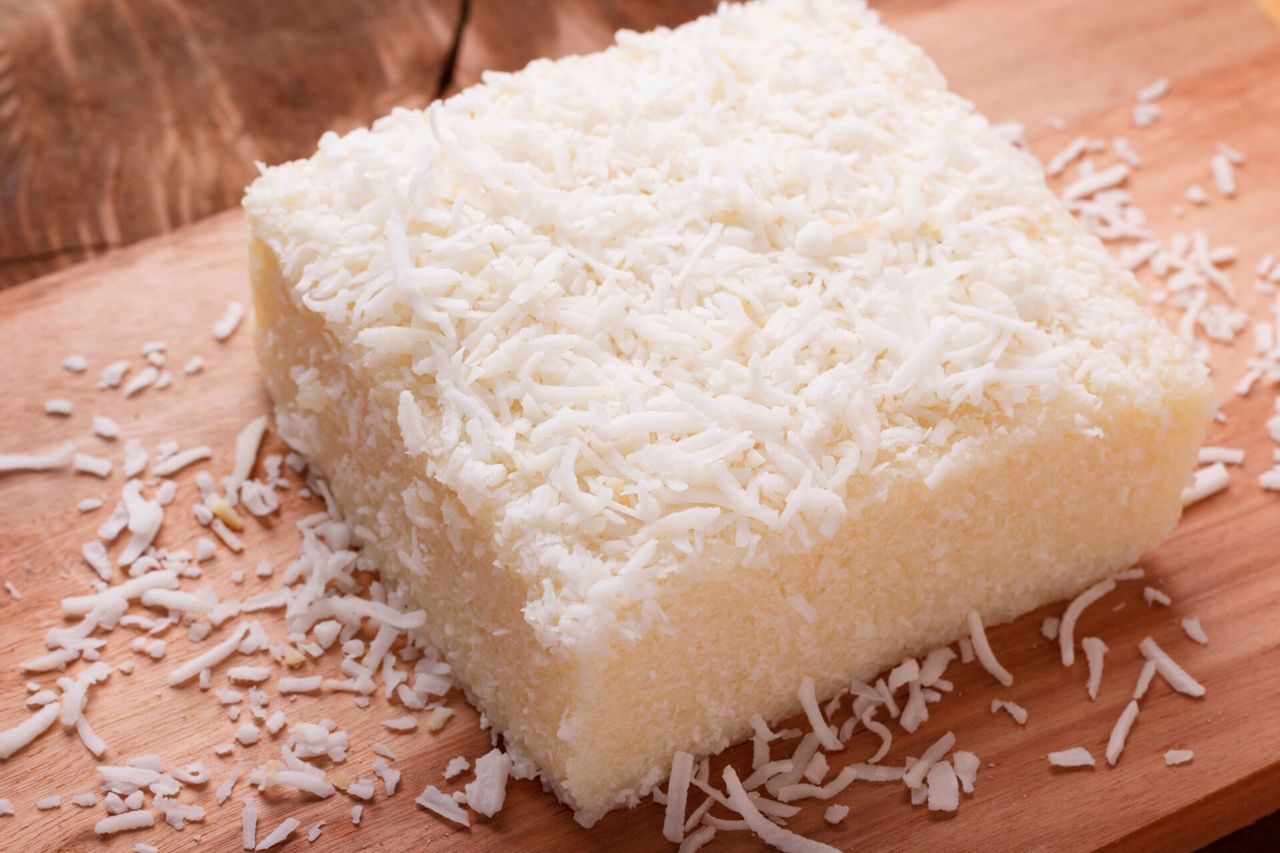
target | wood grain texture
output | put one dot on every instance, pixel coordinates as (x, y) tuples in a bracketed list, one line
[(1220, 563), (121, 120), (505, 35)]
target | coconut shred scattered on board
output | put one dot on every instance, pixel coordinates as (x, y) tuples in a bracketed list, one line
[(318, 604)]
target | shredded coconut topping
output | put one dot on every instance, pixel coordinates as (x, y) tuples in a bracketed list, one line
[(570, 364), (1179, 679)]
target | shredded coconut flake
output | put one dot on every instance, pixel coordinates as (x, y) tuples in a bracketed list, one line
[(1154, 90), (982, 648), (1144, 679), (279, 834), (59, 406), (768, 832), (209, 658), (966, 766), (1077, 756), (1179, 679), (36, 461), (176, 462), (836, 813), (435, 800), (1155, 596), (944, 788), (1120, 732), (227, 324), (141, 380), (1226, 455), (1208, 482), (489, 790), (915, 776), (1224, 176), (85, 463), (677, 796), (1013, 709), (1193, 629), (14, 739), (809, 702), (139, 819), (1067, 628), (1094, 650)]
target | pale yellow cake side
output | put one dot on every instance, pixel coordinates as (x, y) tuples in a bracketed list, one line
[(1034, 511)]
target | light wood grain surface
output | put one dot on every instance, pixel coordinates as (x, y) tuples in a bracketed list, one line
[(1078, 61)]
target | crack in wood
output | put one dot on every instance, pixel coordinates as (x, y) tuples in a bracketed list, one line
[(448, 68)]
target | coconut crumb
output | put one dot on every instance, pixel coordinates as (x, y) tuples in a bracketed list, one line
[(836, 813), (944, 788)]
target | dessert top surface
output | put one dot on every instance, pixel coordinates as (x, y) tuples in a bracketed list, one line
[(699, 287)]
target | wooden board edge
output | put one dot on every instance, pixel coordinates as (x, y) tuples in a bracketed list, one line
[(1209, 819), (214, 227)]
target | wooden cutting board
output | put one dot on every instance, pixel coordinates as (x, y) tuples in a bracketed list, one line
[(1074, 61)]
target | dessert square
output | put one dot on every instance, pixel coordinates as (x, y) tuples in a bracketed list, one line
[(666, 376)]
